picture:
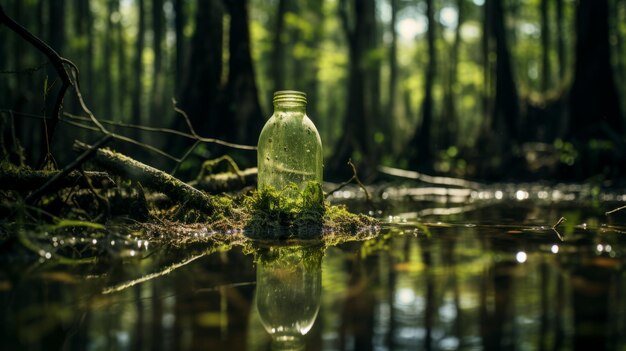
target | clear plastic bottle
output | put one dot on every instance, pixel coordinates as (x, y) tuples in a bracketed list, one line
[(290, 148)]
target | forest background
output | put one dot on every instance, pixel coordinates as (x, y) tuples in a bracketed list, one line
[(485, 89)]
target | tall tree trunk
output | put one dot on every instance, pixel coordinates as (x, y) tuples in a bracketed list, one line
[(501, 129), (88, 24), (593, 101), (278, 53), (56, 40), (138, 68), (389, 124), (179, 24), (156, 99), (202, 87), (423, 141), (560, 45), (506, 106), (108, 69), (122, 71), (487, 64), (316, 9), (545, 48), (358, 123), (594, 104), (449, 118), (241, 105)]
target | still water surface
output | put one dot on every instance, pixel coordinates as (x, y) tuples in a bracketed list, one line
[(474, 275)]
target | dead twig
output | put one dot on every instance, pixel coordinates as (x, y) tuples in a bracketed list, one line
[(354, 178), (163, 130), (614, 210), (87, 153), (561, 220)]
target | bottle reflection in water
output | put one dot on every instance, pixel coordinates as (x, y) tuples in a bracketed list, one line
[(288, 293)]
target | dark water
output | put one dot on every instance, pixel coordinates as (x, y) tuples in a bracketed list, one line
[(481, 274)]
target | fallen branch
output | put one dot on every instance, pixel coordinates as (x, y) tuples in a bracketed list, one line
[(227, 181), (27, 180), (87, 153), (396, 172), (150, 177)]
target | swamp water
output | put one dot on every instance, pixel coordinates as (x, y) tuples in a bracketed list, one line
[(485, 270)]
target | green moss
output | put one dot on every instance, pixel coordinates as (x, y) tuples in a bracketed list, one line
[(273, 215)]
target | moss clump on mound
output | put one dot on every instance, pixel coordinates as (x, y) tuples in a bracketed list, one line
[(281, 215)]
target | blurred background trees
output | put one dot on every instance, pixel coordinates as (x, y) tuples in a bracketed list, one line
[(511, 89)]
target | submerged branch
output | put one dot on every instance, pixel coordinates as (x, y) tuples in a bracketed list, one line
[(148, 277)]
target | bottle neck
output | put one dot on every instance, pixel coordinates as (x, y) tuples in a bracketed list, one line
[(290, 107), (290, 100)]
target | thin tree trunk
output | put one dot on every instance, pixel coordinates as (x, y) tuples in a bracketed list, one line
[(107, 70), (56, 40), (138, 68), (278, 53), (545, 48), (241, 101), (316, 9), (506, 107), (449, 119), (358, 122), (594, 101), (122, 72), (422, 141), (157, 105), (560, 45), (487, 65), (393, 77), (179, 24), (202, 87), (91, 66)]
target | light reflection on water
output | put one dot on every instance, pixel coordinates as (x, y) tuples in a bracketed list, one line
[(485, 277)]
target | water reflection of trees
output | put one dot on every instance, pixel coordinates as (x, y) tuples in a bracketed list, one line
[(468, 288)]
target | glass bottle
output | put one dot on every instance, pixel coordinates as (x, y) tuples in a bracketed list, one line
[(290, 148)]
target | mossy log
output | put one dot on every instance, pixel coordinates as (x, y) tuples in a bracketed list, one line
[(24, 179), (228, 181), (150, 177)]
